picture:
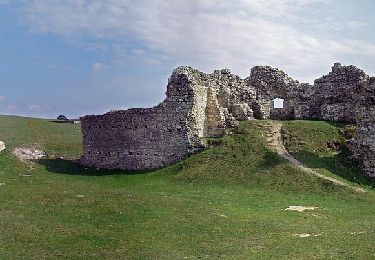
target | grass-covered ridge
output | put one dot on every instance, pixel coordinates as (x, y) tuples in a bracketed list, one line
[(245, 158), (323, 147), (226, 202)]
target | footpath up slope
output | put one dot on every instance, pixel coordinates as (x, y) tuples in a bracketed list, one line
[(276, 141)]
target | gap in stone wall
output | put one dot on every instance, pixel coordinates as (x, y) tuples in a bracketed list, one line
[(278, 103)]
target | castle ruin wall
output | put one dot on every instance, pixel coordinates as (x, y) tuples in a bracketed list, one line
[(140, 139), (199, 106), (363, 145)]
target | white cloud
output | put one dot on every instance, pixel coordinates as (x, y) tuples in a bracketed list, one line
[(208, 34), (356, 24), (98, 66), (330, 24), (33, 107)]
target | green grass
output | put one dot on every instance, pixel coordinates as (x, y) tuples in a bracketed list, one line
[(225, 202), (56, 138), (312, 142)]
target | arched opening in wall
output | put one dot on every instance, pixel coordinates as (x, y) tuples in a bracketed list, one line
[(278, 103)]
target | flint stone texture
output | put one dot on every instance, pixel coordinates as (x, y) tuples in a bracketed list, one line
[(363, 145), (338, 93), (199, 106)]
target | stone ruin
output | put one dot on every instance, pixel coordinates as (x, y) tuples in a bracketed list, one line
[(200, 106), (363, 145)]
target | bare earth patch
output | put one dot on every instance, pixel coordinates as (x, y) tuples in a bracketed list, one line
[(28, 154), (300, 208)]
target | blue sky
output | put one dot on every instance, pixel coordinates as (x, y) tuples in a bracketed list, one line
[(77, 57)]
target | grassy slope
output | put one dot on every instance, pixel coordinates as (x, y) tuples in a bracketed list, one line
[(311, 143), (224, 202)]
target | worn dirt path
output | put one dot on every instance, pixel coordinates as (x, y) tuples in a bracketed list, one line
[(275, 140)]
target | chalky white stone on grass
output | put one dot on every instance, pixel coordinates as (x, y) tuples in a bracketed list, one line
[(25, 154), (2, 146), (306, 235), (300, 208)]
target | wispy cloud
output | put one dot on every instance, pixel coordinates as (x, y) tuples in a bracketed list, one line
[(12, 107), (2, 97), (329, 24), (98, 66), (33, 107), (207, 34)]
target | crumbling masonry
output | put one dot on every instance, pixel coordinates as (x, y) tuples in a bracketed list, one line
[(200, 106)]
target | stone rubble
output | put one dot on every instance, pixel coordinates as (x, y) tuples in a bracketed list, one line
[(300, 208), (28, 154), (200, 106), (2, 146)]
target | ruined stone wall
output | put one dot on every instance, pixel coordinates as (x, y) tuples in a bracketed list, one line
[(131, 139), (363, 144), (270, 83), (234, 97), (199, 106), (138, 139), (337, 94), (333, 97)]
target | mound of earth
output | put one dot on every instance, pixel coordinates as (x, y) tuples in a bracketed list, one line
[(27, 154)]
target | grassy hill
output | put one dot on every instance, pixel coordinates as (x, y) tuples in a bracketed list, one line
[(225, 202), (323, 147)]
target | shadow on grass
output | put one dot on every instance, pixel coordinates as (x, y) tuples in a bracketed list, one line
[(271, 160), (339, 124), (71, 167), (339, 165)]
